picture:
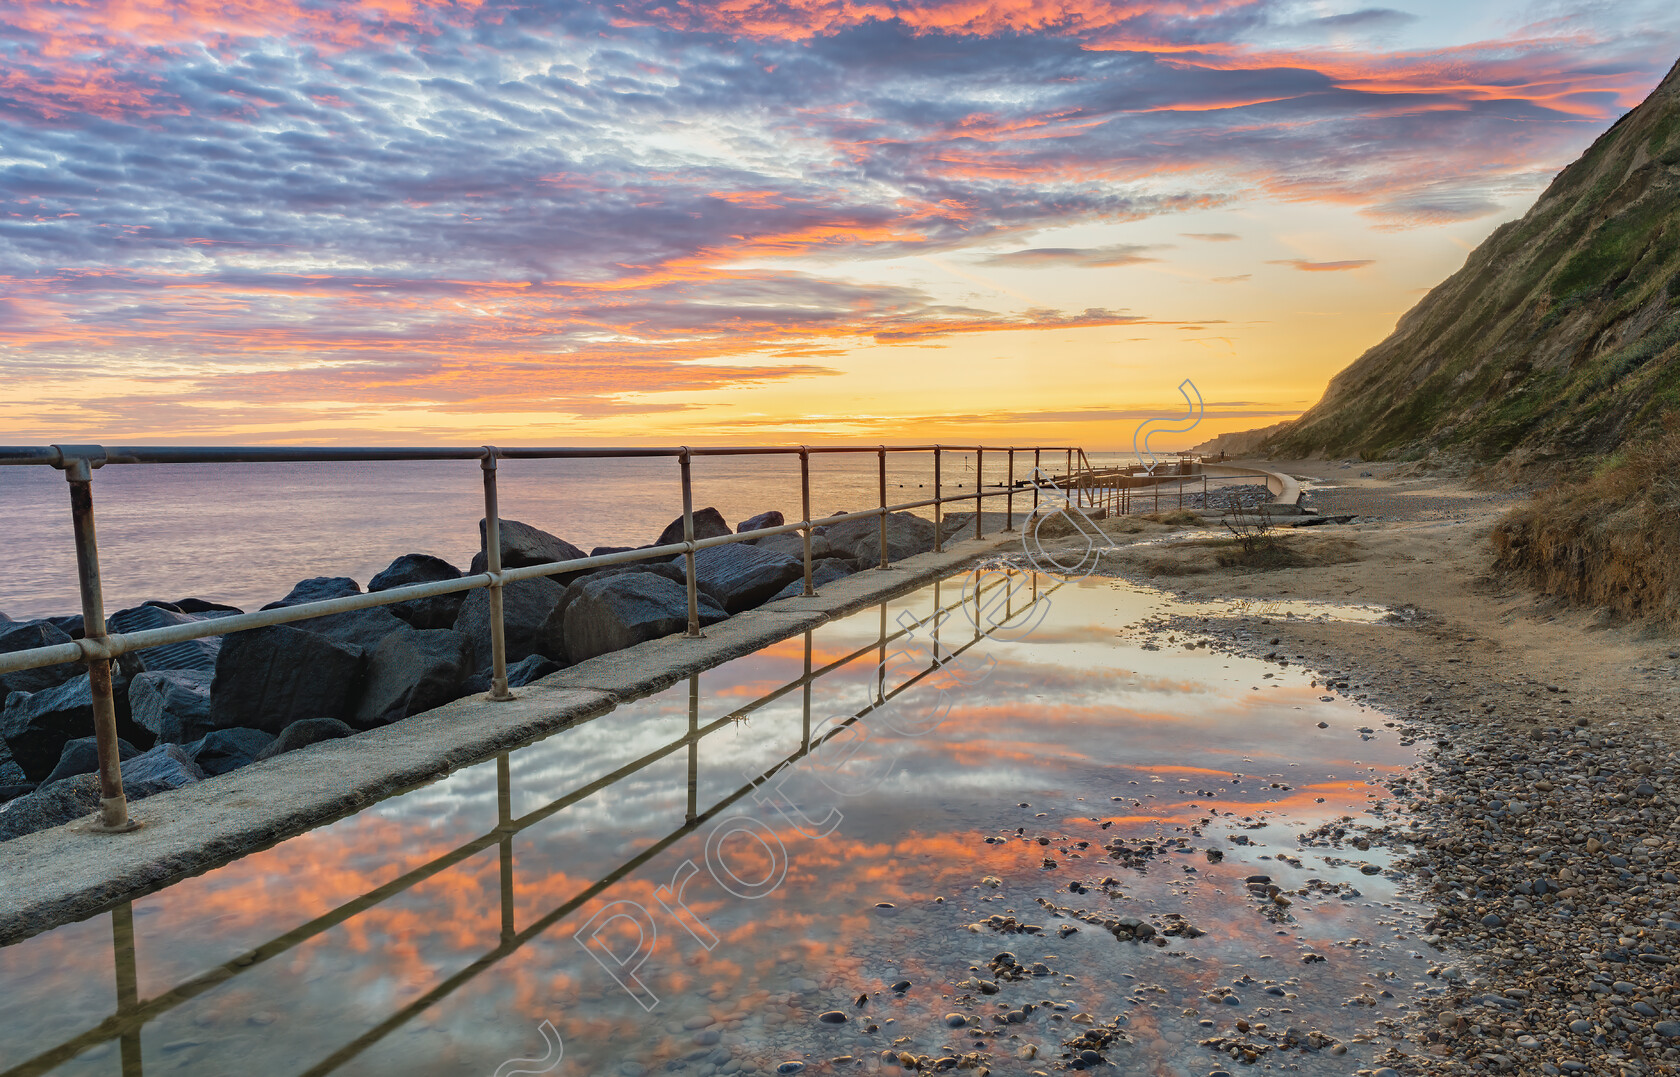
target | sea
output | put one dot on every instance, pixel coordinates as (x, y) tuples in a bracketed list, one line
[(243, 534)]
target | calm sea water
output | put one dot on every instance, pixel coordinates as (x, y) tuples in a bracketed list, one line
[(244, 533)]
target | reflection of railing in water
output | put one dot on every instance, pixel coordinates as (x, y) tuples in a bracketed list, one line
[(97, 649), (133, 1014)]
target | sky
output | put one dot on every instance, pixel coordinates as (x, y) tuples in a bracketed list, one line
[(753, 221)]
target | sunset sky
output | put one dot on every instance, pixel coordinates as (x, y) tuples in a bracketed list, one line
[(701, 221)]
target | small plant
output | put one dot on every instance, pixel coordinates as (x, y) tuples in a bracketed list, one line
[(1253, 530)]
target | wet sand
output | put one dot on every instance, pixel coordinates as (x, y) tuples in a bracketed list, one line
[(1544, 824)]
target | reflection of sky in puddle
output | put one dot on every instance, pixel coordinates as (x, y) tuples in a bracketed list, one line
[(278, 964)]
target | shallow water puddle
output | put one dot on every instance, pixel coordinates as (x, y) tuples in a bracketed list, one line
[(655, 890)]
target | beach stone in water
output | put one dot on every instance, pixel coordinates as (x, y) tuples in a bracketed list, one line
[(791, 1067), (222, 750), (708, 523), (438, 611), (832, 1017), (412, 672), (740, 577), (172, 704), (621, 611), (81, 756), (270, 677), (530, 615), (27, 635), (303, 734)]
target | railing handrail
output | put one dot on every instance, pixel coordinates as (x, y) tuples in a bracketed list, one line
[(55, 455)]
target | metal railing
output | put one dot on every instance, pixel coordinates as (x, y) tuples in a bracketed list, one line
[(97, 648), (134, 1013)]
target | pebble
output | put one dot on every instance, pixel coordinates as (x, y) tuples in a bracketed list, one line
[(832, 1017)]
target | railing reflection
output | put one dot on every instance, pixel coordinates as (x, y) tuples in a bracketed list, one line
[(133, 1014)]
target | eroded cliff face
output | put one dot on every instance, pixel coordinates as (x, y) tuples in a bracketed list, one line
[(1560, 337)]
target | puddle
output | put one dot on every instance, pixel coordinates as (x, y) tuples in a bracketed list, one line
[(1047, 775)]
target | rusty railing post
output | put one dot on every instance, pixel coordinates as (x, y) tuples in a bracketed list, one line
[(688, 538), (1036, 453), (1009, 498), (78, 462), (493, 561), (938, 499), (805, 502), (979, 488), (883, 477)]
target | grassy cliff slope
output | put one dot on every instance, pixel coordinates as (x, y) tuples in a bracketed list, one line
[(1558, 340)]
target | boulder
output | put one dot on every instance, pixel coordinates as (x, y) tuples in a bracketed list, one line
[(10, 790), (26, 635), (602, 551), (907, 535), (222, 750), (167, 765), (708, 523), (81, 756), (528, 616), (37, 725), (10, 773), (410, 673), (357, 628), (63, 802), (759, 522), (71, 625), (524, 545), (318, 589), (413, 568), (614, 612), (520, 674), (200, 605), (303, 734), (827, 570), (198, 654), (270, 677), (792, 545), (674, 571), (740, 577), (172, 704)]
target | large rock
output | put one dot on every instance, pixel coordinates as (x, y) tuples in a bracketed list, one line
[(81, 756), (199, 654), (27, 635), (222, 750), (167, 765), (740, 577), (200, 605), (10, 773), (524, 545), (357, 628), (614, 612), (519, 674), (71, 625), (37, 725), (761, 521), (907, 535), (303, 734), (172, 704), (827, 570), (411, 673), (708, 523), (412, 568), (792, 545), (529, 616), (270, 677)]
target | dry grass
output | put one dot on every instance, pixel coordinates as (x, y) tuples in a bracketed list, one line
[(1207, 555), (1177, 517), (1612, 540)]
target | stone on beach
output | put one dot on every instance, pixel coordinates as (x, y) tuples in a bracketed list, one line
[(740, 577), (223, 750), (907, 535), (524, 545), (303, 734), (708, 523), (199, 654), (268, 678), (760, 522), (410, 673), (439, 611), (623, 610), (172, 704), (27, 635), (81, 756), (37, 725), (529, 616), (317, 589)]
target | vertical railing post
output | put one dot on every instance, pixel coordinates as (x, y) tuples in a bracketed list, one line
[(1036, 468), (805, 502), (1070, 467), (1009, 498), (979, 488), (688, 538), (493, 561), (938, 522), (78, 472), (882, 459)]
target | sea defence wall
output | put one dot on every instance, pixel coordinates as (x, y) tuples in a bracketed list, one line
[(1286, 492)]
